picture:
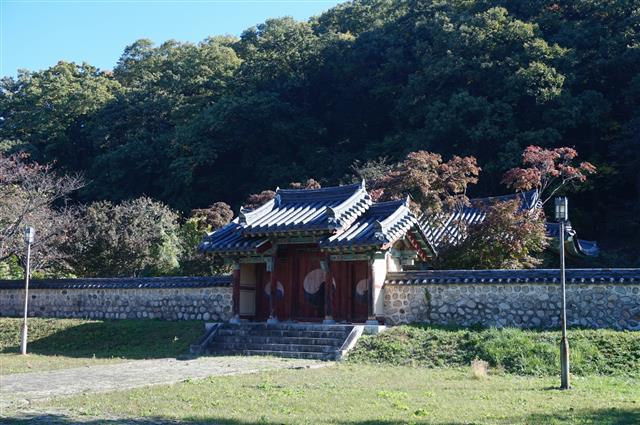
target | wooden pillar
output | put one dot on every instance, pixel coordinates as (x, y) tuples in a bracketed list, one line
[(273, 286), (371, 317), (328, 291), (236, 293)]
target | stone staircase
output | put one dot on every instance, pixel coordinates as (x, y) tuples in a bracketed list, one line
[(294, 340)]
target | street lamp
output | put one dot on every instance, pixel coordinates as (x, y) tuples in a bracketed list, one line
[(29, 235), (562, 215)]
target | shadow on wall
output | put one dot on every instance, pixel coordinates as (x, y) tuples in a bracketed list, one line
[(130, 339), (600, 417)]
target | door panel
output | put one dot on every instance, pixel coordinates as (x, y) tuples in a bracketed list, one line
[(309, 280), (350, 299), (360, 289)]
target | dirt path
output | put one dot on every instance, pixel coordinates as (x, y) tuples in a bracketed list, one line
[(19, 389)]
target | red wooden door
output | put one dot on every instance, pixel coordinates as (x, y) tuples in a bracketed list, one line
[(284, 295), (360, 289), (350, 301), (308, 284), (284, 298)]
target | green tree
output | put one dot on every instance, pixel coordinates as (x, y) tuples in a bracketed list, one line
[(195, 228), (46, 112), (133, 238)]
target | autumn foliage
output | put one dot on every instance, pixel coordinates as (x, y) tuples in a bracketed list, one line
[(215, 216), (256, 199), (509, 238), (547, 170), (432, 183)]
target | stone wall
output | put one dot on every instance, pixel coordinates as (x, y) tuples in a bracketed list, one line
[(525, 298), (171, 298)]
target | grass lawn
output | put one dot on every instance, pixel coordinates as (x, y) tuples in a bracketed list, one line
[(364, 394), (64, 343), (516, 351)]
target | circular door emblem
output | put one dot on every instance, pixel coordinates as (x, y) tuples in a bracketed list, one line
[(313, 281), (314, 287), (362, 290), (279, 290)]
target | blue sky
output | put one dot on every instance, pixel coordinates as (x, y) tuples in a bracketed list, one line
[(35, 34)]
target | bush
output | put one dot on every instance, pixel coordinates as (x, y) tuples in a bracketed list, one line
[(517, 351)]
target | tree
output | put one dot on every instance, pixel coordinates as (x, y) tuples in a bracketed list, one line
[(133, 238), (547, 171), (432, 183), (34, 195), (195, 228), (508, 238), (308, 184), (367, 78), (47, 112), (214, 217), (257, 199), (137, 135)]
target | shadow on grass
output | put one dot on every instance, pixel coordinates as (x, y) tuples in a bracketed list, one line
[(130, 339), (599, 417)]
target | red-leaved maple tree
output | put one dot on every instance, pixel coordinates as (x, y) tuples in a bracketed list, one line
[(547, 170), (433, 184)]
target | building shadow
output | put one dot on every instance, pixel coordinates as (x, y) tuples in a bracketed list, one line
[(117, 338), (595, 417)]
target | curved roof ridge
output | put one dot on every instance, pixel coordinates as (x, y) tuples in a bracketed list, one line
[(247, 216), (376, 206), (330, 192), (391, 219), (530, 198), (360, 194)]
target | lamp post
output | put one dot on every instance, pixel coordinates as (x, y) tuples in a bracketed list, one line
[(29, 235), (562, 215)]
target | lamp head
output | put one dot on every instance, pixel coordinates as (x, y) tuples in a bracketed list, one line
[(562, 208), (29, 234)]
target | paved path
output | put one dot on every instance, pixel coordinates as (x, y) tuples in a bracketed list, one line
[(21, 388)]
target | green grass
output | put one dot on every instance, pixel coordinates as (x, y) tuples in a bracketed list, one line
[(522, 352), (62, 343), (363, 394)]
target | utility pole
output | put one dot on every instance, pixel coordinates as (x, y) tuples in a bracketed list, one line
[(29, 235), (562, 215)]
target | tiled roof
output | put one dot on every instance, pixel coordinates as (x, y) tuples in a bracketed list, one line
[(382, 224), (313, 211), (596, 276), (442, 229), (121, 283), (573, 245), (229, 239)]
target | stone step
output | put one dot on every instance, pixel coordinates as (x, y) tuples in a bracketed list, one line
[(240, 346), (284, 333), (292, 326), (287, 354), (256, 339), (296, 340)]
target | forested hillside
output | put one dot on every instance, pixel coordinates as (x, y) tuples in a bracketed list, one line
[(194, 124)]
